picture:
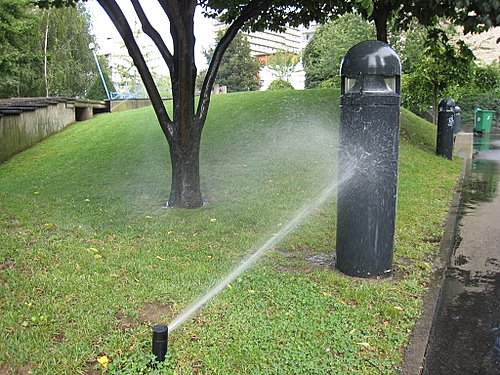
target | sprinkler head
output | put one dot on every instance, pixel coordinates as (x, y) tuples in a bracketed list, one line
[(160, 341)]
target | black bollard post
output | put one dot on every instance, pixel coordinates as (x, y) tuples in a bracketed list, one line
[(445, 127), (369, 142), (457, 125), (160, 341)]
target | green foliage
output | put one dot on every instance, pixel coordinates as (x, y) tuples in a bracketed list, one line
[(483, 91), (283, 63), (238, 69), (324, 52), (86, 246), (409, 45), (442, 67), (280, 84), (330, 83), (16, 25), (71, 66), (24, 32)]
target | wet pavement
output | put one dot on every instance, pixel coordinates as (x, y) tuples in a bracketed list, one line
[(465, 337)]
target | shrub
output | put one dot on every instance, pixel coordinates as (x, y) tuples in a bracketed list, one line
[(330, 83), (280, 84)]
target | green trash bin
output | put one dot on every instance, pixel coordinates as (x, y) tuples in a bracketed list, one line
[(482, 120)]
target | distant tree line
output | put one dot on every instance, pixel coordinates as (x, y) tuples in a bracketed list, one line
[(45, 52)]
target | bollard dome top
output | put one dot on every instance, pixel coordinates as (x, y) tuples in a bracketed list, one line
[(371, 57), (446, 104)]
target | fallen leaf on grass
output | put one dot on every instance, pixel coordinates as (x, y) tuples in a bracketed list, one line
[(160, 258), (103, 361)]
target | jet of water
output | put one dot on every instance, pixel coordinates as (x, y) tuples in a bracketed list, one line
[(299, 217)]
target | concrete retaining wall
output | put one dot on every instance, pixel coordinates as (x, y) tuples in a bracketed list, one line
[(18, 131), (26, 121), (125, 105)]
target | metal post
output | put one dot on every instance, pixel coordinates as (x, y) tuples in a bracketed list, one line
[(445, 125), (368, 147), (92, 47)]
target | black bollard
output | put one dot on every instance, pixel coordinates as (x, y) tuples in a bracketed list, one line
[(445, 127), (160, 341), (457, 125), (369, 142)]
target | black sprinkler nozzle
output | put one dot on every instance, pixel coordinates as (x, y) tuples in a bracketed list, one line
[(160, 341)]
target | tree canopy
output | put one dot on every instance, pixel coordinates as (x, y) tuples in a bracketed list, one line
[(324, 52), (474, 15), (44, 52), (443, 64), (238, 69)]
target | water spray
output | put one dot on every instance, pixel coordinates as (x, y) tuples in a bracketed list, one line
[(161, 331), (297, 219)]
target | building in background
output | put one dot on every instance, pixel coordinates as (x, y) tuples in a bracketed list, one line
[(485, 45), (266, 43), (263, 44)]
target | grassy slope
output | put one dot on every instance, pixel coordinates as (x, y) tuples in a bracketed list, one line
[(87, 254)]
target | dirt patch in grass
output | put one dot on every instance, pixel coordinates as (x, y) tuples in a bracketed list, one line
[(305, 261), (322, 260), (402, 268), (7, 263), (23, 370), (58, 337), (93, 368), (155, 312), (125, 321)]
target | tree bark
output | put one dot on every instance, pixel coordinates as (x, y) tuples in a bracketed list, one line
[(45, 57), (435, 92), (185, 157), (380, 16)]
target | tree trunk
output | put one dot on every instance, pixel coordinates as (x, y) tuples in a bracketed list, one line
[(185, 141), (185, 157), (435, 104), (380, 16), (45, 56)]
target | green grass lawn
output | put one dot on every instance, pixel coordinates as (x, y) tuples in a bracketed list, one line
[(89, 259)]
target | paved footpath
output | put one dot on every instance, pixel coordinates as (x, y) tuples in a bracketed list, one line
[(465, 337)]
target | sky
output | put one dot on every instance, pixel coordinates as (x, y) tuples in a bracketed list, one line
[(108, 38)]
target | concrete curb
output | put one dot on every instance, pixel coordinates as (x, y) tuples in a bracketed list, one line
[(413, 361)]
